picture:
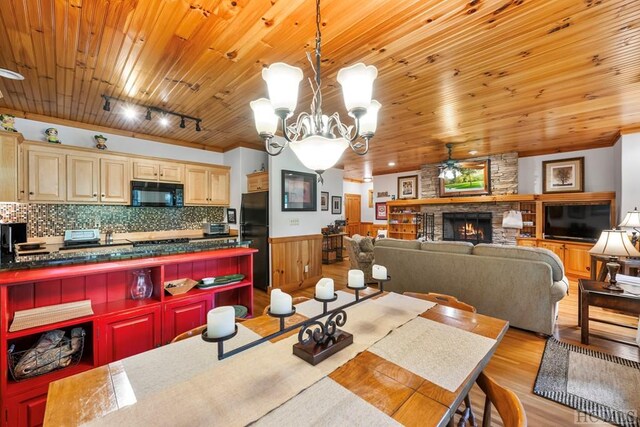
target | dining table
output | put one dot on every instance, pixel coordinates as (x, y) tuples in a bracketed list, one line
[(412, 362)]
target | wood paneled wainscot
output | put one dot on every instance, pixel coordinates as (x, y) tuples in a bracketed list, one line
[(296, 261)]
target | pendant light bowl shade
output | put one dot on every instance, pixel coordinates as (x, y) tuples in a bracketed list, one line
[(631, 219), (357, 86), (369, 122), (282, 82), (264, 116), (319, 153), (614, 243)]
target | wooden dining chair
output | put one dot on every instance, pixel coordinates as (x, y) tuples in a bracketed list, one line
[(294, 301), (506, 402), (198, 331), (442, 299)]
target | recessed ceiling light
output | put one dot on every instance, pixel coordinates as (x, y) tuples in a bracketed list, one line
[(10, 74), (367, 179), (130, 112), (473, 152), (392, 163)]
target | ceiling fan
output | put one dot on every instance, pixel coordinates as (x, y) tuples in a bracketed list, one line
[(450, 168)]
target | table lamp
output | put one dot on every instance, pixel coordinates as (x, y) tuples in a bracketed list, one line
[(614, 244), (632, 220)]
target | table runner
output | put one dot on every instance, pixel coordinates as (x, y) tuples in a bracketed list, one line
[(313, 308), (260, 379), (425, 348)]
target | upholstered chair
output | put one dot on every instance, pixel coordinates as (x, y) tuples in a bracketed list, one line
[(360, 251)]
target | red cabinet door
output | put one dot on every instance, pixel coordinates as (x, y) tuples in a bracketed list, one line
[(26, 410), (183, 315), (130, 333)]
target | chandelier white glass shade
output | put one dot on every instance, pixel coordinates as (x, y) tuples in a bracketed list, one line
[(317, 140), (449, 169)]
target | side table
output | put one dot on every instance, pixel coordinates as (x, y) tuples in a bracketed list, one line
[(592, 293)]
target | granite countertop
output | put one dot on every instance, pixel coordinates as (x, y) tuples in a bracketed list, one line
[(118, 253)]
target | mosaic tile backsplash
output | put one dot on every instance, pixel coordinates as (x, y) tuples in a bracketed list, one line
[(52, 220)]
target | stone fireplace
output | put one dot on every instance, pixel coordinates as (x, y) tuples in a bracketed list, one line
[(474, 227)]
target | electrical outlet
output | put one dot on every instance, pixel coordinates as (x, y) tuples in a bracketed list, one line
[(294, 221), (306, 268)]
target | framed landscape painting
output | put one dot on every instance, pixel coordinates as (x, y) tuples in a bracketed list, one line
[(474, 179), (563, 176)]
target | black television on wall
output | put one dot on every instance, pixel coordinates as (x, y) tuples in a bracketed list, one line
[(576, 222)]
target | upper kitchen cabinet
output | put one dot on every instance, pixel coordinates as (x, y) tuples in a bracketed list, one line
[(114, 180), (46, 173), (83, 178), (9, 167), (150, 170), (206, 186), (258, 181)]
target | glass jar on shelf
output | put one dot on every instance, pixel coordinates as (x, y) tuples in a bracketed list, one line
[(141, 286)]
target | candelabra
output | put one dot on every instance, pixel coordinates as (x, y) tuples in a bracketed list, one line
[(317, 340)]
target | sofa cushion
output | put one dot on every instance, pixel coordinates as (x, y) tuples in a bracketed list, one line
[(398, 243), (518, 252), (450, 247), (366, 244)]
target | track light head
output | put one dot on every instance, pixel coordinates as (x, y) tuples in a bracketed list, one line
[(182, 124), (148, 116), (198, 128), (107, 104)]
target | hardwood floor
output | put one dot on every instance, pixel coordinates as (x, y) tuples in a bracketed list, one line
[(517, 359)]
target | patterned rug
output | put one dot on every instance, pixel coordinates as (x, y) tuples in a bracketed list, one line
[(591, 382)]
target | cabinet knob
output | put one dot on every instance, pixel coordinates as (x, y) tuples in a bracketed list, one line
[(95, 194), (155, 174), (102, 195), (161, 174), (22, 191), (31, 193)]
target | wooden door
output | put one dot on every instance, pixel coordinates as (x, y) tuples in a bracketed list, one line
[(171, 172), (145, 170), (46, 171), (129, 333), (114, 180), (184, 315), (577, 261), (557, 248), (196, 186), (83, 179), (352, 204), (219, 186)]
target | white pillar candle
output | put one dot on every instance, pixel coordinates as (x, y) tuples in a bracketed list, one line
[(356, 279), (324, 288), (281, 303), (379, 272), (221, 322)]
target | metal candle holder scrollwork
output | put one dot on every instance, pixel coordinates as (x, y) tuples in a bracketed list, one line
[(317, 340)]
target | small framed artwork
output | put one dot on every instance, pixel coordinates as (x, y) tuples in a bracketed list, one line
[(324, 200), (370, 199), (381, 210), (563, 176), (336, 205), (231, 215), (408, 187), (298, 191), (473, 179)]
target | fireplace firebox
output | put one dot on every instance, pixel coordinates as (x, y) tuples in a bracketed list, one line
[(474, 227)]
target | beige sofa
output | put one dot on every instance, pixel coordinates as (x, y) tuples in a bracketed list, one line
[(521, 285)]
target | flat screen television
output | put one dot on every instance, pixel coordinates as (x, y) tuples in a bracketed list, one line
[(576, 222)]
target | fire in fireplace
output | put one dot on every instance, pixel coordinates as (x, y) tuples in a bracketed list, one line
[(474, 227)]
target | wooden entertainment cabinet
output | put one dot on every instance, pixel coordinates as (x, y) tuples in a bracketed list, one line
[(120, 327)]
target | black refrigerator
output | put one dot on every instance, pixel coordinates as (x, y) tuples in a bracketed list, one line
[(254, 226)]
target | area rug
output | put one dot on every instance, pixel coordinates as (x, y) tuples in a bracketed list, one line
[(593, 383)]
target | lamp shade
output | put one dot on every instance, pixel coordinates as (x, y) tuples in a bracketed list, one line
[(265, 119), (319, 153), (369, 122), (283, 81), (614, 243), (357, 85), (631, 220)]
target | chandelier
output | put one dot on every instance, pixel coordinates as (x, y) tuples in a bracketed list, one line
[(449, 169), (316, 139)]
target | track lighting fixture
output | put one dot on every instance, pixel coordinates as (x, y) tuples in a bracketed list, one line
[(198, 128), (107, 104), (182, 125), (148, 116), (132, 110)]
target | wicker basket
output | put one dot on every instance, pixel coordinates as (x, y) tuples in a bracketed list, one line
[(179, 286)]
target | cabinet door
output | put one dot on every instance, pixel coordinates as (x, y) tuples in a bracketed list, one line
[(171, 172), (577, 261), (196, 187), (83, 178), (557, 248), (114, 180), (527, 243), (258, 182), (26, 410), (219, 185), (46, 175), (130, 333), (145, 170), (184, 315)]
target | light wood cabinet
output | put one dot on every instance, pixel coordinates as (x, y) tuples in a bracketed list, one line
[(555, 247), (530, 243), (9, 167), (206, 186), (46, 172), (114, 180), (147, 170), (83, 178), (171, 172), (574, 256), (219, 186), (258, 181)]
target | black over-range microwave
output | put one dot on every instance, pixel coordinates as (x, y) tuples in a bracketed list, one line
[(158, 194)]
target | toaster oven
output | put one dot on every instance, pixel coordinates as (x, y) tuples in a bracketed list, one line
[(215, 229)]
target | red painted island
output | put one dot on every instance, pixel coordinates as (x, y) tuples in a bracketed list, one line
[(120, 326)]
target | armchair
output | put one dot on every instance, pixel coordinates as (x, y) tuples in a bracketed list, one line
[(358, 258)]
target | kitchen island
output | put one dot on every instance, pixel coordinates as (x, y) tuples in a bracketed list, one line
[(118, 326)]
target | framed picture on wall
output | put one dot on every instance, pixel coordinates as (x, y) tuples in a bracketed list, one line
[(336, 205), (472, 179), (324, 200), (370, 204), (563, 176), (298, 191), (381, 210), (231, 215), (408, 187)]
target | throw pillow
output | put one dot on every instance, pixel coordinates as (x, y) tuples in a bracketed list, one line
[(366, 244)]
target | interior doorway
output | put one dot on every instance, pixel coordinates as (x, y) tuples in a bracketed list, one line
[(352, 205)]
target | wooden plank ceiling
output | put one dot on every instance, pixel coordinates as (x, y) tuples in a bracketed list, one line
[(531, 76)]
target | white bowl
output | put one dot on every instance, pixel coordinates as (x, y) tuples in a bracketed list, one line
[(208, 280)]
